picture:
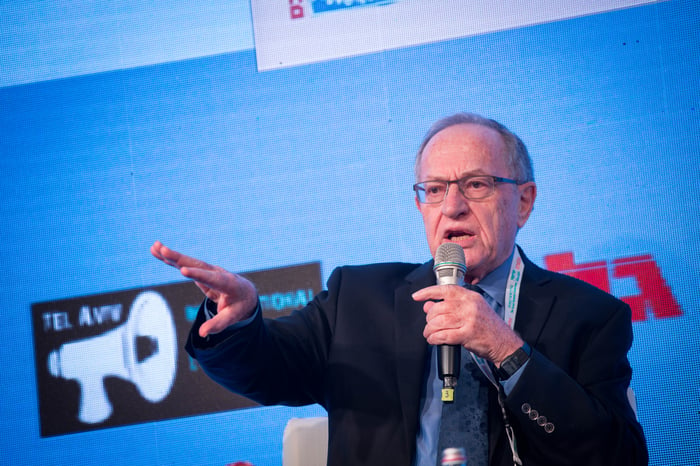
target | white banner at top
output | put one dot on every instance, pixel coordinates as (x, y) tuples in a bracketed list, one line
[(296, 32)]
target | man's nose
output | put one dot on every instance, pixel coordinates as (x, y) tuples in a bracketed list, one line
[(455, 204)]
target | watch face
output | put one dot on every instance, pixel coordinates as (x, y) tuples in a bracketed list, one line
[(507, 369), (511, 367), (512, 363)]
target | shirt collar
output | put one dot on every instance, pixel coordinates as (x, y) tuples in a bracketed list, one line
[(494, 283)]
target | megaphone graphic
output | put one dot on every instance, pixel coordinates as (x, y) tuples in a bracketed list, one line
[(143, 351)]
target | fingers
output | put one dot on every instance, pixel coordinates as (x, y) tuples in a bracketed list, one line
[(160, 251), (165, 254), (182, 263), (207, 277), (444, 324), (208, 280), (447, 307), (176, 259), (227, 315), (455, 315), (235, 296), (214, 325), (441, 292)]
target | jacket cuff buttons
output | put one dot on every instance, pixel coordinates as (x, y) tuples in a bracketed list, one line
[(535, 416)]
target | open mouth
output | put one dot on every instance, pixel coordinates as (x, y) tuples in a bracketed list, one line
[(458, 235)]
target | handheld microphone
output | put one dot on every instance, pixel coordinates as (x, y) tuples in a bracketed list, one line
[(450, 267)]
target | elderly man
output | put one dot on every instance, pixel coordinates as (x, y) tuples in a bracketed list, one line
[(549, 352)]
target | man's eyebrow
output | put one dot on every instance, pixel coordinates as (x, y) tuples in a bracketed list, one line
[(478, 172)]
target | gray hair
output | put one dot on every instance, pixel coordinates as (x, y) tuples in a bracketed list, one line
[(518, 158)]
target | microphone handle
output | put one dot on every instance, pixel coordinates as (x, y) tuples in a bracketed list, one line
[(449, 361)]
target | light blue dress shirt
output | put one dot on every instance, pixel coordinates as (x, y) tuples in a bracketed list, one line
[(494, 287)]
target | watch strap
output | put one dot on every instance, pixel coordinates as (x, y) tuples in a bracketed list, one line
[(515, 361)]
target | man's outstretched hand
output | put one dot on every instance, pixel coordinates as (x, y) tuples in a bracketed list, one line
[(236, 297)]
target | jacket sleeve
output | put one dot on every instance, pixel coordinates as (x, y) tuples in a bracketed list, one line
[(278, 361)]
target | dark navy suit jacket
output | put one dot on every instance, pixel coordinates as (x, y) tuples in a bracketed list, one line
[(357, 350)]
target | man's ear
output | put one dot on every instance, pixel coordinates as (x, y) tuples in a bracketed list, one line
[(528, 193), (418, 204)]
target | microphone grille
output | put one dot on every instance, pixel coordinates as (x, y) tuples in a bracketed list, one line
[(450, 252)]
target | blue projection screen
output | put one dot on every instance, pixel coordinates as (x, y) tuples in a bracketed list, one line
[(106, 149)]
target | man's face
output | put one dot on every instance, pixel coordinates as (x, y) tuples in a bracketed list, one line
[(485, 228)]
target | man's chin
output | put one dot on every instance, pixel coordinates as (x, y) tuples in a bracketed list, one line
[(474, 265)]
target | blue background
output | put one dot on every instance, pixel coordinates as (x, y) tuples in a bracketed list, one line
[(256, 170)]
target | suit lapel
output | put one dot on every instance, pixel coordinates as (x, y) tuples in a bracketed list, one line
[(411, 348), (535, 303)]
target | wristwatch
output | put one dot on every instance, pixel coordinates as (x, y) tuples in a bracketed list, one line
[(515, 361)]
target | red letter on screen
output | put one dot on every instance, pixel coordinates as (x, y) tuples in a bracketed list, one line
[(296, 11), (655, 293), (595, 273)]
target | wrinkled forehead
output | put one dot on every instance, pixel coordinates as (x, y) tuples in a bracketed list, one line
[(461, 150)]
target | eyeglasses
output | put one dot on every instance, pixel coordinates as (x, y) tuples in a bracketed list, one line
[(471, 187)]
